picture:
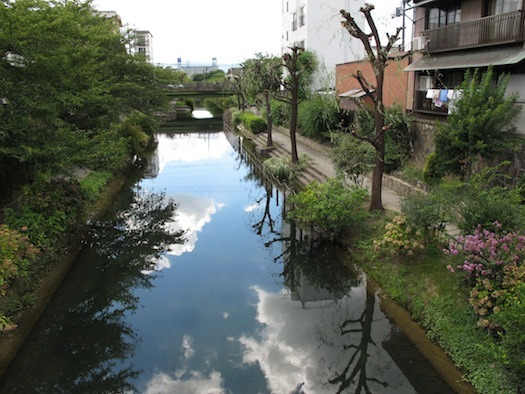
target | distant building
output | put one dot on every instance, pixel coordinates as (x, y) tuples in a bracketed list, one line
[(111, 15), (316, 26), (143, 44), (192, 70)]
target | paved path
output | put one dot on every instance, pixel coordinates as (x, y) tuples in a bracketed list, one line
[(323, 162)]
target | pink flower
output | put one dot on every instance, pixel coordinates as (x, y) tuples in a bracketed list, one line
[(450, 269)]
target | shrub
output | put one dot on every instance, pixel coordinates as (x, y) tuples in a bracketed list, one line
[(258, 125), (484, 253), (254, 123), (352, 157), (47, 210), (400, 238), (486, 200), (328, 208), (479, 127), (237, 117), (17, 254), (318, 115), (281, 113), (427, 213), (494, 265)]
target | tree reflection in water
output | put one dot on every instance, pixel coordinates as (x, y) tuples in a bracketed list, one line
[(83, 340), (356, 366), (313, 271)]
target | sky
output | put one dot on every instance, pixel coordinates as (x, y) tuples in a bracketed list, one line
[(198, 30)]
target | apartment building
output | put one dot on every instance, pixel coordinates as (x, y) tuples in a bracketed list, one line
[(451, 36), (143, 44), (316, 26)]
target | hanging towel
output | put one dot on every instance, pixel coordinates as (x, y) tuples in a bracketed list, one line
[(450, 94), (443, 95), (430, 93), (436, 94)]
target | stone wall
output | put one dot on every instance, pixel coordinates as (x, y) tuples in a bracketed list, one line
[(423, 143)]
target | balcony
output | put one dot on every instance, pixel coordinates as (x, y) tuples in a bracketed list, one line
[(425, 105), (491, 30)]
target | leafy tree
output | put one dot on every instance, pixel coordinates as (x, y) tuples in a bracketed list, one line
[(300, 66), (479, 127), (65, 78), (211, 76), (263, 74), (378, 58)]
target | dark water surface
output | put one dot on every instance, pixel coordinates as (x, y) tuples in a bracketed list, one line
[(235, 304)]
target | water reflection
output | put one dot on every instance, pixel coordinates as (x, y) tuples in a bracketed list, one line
[(324, 333), (249, 303), (85, 342)]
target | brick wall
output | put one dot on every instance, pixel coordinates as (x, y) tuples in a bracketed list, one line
[(395, 85)]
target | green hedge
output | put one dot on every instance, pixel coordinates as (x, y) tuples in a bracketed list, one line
[(254, 123)]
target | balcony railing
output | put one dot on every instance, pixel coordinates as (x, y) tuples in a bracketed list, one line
[(491, 30)]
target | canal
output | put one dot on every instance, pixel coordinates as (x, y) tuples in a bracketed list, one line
[(194, 283)]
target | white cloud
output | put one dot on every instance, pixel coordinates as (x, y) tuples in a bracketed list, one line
[(304, 346), (191, 216), (253, 207), (174, 147), (186, 345), (186, 382)]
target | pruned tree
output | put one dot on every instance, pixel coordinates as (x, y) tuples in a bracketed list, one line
[(378, 58), (263, 75), (300, 66), (238, 87)]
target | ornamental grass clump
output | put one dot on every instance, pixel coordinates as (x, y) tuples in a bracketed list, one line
[(400, 238)]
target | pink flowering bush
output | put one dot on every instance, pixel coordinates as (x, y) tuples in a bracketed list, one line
[(493, 265), (486, 253)]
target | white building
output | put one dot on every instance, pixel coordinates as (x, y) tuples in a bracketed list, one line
[(316, 26), (143, 44)]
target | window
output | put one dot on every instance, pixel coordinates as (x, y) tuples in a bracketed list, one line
[(496, 7), (443, 15), (286, 6), (301, 16), (294, 21)]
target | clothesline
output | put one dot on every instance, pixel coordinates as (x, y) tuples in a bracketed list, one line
[(444, 97)]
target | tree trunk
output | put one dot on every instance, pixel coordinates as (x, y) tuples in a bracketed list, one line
[(377, 176), (269, 118), (293, 129)]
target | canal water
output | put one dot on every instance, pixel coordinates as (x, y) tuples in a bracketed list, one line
[(194, 283)]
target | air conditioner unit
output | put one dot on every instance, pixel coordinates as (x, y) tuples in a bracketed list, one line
[(425, 82), (419, 43)]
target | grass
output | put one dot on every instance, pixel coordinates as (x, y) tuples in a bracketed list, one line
[(439, 302), (93, 183)]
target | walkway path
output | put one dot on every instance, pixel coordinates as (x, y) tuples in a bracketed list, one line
[(321, 160)]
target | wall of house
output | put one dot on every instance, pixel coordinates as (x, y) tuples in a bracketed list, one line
[(395, 87), (323, 34), (471, 10), (517, 85)]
